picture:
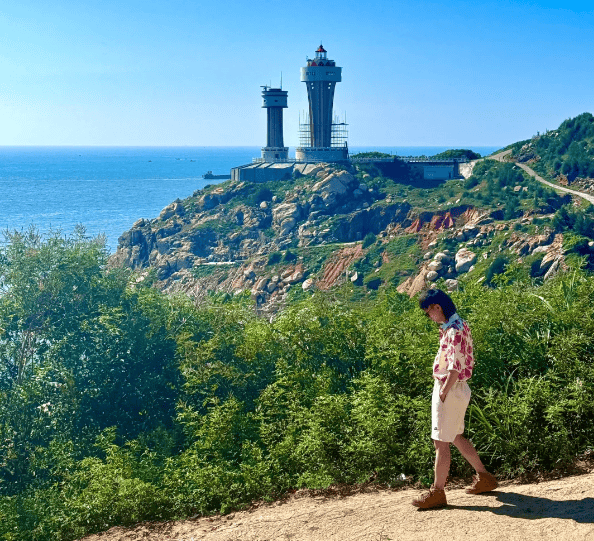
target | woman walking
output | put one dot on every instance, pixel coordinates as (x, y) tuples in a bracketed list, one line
[(452, 369)]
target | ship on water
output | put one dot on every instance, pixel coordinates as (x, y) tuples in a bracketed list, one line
[(209, 175)]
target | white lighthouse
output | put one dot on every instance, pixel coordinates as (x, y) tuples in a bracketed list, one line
[(322, 138)]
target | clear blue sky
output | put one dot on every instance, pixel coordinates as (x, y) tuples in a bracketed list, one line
[(122, 72)]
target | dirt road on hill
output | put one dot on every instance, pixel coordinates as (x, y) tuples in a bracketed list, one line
[(501, 157), (560, 510)]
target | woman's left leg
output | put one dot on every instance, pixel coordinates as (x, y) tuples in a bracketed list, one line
[(442, 463), (436, 496)]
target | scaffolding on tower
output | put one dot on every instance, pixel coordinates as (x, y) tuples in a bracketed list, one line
[(339, 134)]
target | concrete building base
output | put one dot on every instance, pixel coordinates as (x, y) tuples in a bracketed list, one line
[(275, 154), (322, 154), (437, 172), (266, 172)]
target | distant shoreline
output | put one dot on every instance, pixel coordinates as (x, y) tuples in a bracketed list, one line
[(352, 149), (57, 187)]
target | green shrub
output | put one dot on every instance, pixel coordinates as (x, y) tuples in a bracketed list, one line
[(374, 283), (495, 268), (458, 153), (261, 194), (471, 182), (289, 256), (529, 426), (368, 240)]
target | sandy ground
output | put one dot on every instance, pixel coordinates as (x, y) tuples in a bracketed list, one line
[(560, 509)]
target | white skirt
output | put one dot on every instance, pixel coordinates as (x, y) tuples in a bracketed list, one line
[(447, 418)]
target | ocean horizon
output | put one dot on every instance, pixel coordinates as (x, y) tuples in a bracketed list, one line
[(106, 189)]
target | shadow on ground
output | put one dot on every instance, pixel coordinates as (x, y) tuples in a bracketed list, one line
[(533, 507)]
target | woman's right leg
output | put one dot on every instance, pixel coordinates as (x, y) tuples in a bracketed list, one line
[(483, 480), (469, 453)]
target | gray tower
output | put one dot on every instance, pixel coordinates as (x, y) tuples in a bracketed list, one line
[(274, 101), (321, 139)]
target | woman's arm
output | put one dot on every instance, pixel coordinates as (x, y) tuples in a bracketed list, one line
[(451, 379)]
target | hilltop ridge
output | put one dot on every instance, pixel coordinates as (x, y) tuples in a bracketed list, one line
[(359, 227)]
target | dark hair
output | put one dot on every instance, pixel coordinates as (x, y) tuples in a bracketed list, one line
[(437, 296)]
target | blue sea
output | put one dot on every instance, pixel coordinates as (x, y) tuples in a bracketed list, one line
[(106, 189)]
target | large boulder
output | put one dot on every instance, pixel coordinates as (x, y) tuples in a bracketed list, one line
[(432, 276), (460, 236), (309, 169), (175, 208), (202, 241), (285, 216), (435, 266), (464, 260), (374, 219), (452, 285), (442, 256), (415, 285), (553, 268), (308, 284), (295, 277), (135, 246), (177, 262), (334, 185), (316, 202), (209, 201), (471, 231), (287, 226), (271, 287), (252, 218), (261, 284)]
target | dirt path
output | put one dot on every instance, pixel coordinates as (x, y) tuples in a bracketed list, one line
[(501, 156), (560, 510)]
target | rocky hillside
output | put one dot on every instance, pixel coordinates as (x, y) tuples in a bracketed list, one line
[(565, 154), (239, 236), (347, 227)]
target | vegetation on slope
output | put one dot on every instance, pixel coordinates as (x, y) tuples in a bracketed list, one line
[(567, 151), (120, 404), (458, 153)]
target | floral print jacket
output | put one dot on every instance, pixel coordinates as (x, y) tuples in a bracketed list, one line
[(455, 350)]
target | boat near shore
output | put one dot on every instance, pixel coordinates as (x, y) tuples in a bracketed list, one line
[(209, 175)]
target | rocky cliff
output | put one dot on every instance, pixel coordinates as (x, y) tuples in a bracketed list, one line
[(319, 230)]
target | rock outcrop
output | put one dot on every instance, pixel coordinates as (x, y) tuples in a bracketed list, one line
[(465, 259), (204, 241)]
